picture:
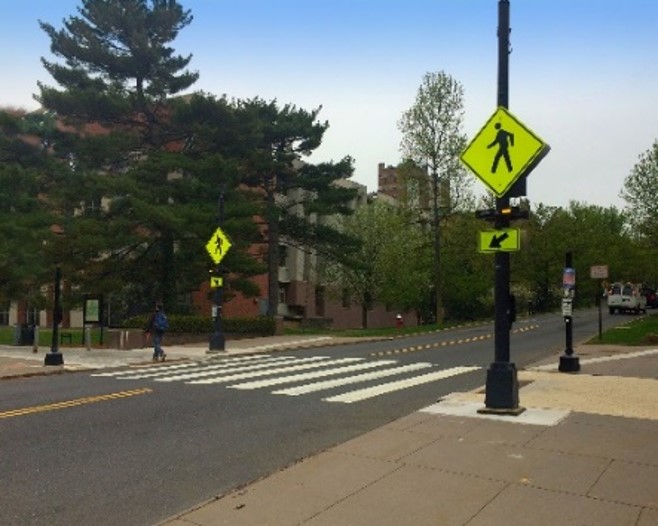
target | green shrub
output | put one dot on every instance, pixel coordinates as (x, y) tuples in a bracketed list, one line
[(261, 326)]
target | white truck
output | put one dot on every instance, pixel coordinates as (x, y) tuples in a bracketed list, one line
[(626, 297)]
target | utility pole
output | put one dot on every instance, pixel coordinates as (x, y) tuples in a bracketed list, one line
[(502, 389)]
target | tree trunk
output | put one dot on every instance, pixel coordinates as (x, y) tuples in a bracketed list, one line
[(438, 295)]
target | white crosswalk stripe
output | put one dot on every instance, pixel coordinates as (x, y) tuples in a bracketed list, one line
[(268, 372), (330, 384), (297, 375), (246, 370), (309, 376), (150, 371), (378, 390), (194, 370)]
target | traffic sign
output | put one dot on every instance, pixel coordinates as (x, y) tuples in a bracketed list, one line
[(216, 282), (500, 240), (502, 151), (598, 271), (218, 245)]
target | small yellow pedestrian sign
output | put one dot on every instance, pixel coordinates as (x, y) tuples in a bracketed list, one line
[(218, 245), (502, 151), (500, 240), (216, 282)]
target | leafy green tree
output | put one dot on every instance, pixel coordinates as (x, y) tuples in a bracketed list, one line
[(639, 192), (468, 275), (595, 236), (381, 269), (432, 138)]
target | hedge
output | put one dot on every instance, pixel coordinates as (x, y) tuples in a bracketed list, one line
[(262, 325)]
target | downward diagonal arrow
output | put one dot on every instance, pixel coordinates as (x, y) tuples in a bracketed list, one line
[(497, 241)]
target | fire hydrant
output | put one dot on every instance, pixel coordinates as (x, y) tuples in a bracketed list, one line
[(399, 322)]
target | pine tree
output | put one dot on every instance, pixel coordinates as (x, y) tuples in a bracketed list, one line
[(27, 240), (281, 138), (120, 205)]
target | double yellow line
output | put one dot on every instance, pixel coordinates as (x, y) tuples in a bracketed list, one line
[(447, 343), (72, 403)]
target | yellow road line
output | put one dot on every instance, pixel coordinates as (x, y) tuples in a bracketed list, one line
[(72, 403), (447, 343)]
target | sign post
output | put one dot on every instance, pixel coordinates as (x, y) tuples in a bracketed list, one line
[(599, 272), (568, 362), (503, 152), (217, 247)]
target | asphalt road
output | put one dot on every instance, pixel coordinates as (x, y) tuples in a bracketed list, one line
[(133, 449)]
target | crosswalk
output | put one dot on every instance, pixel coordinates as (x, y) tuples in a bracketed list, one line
[(345, 380)]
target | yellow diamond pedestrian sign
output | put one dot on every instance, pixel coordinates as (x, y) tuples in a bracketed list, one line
[(218, 245), (500, 240), (502, 151)]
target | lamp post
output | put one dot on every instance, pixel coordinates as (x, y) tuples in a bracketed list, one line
[(54, 357)]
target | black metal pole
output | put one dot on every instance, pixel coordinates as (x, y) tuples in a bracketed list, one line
[(217, 340), (502, 389), (568, 362), (54, 357)]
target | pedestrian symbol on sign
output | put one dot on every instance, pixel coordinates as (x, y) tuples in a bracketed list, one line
[(218, 245), (504, 140)]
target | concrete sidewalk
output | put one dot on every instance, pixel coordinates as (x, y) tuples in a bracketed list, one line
[(585, 452)]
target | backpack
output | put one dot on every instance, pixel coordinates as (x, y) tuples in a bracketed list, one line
[(160, 322)]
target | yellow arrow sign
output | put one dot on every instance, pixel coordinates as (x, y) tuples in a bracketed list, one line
[(503, 240), (502, 151), (218, 245)]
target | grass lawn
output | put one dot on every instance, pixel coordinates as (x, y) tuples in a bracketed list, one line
[(366, 333), (638, 331), (7, 336)]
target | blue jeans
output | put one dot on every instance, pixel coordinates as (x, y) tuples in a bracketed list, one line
[(157, 344)]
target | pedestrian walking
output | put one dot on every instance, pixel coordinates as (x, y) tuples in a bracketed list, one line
[(156, 327)]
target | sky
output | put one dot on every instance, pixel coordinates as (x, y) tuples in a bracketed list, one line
[(583, 73)]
